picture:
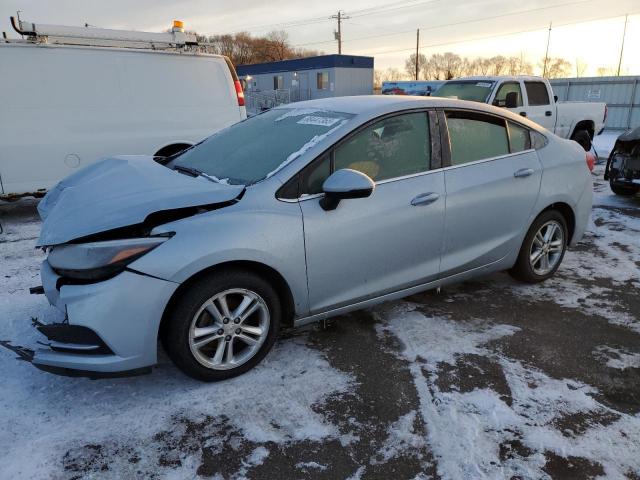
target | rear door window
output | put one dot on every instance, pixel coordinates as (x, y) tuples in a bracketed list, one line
[(537, 93), (475, 136)]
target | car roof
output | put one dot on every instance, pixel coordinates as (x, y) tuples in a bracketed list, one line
[(371, 106)]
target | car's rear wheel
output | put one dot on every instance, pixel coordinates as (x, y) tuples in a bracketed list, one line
[(223, 325), (543, 248), (626, 190), (583, 138)]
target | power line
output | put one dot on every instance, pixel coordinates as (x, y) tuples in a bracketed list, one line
[(499, 34), (463, 22), (312, 20), (380, 10)]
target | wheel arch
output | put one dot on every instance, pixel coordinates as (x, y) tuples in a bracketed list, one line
[(588, 125), (269, 273), (567, 213)]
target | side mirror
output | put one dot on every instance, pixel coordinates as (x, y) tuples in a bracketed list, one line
[(343, 184), (555, 98), (511, 101)]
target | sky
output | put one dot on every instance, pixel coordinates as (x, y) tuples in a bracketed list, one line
[(588, 31)]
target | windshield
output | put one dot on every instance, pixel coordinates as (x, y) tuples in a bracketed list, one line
[(259, 146), (474, 90)]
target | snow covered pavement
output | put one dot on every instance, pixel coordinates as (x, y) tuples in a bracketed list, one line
[(487, 379)]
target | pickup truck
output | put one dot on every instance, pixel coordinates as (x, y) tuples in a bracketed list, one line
[(532, 97)]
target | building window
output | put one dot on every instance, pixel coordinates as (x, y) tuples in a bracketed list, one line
[(278, 82), (322, 80)]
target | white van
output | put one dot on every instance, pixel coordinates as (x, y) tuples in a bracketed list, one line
[(64, 106)]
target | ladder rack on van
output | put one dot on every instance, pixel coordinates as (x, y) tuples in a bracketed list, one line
[(103, 37)]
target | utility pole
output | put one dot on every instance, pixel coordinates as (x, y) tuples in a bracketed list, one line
[(338, 33), (546, 55), (417, 52), (624, 34)]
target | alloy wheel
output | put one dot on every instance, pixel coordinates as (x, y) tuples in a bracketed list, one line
[(229, 329), (547, 248)]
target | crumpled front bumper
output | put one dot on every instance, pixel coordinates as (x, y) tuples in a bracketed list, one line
[(124, 312)]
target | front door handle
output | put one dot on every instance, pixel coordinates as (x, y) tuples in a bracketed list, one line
[(548, 113), (425, 199), (523, 172), (523, 114)]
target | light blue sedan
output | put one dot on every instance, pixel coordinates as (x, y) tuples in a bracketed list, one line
[(304, 212)]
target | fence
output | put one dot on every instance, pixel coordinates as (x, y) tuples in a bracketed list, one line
[(621, 94), (257, 102)]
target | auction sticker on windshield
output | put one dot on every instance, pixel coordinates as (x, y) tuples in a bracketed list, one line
[(318, 121)]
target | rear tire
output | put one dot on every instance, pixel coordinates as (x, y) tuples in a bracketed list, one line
[(583, 138), (547, 238), (208, 338), (624, 190)]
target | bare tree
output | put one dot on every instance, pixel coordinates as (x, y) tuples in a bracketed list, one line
[(378, 76), (392, 75), (497, 65), (557, 67), (242, 48), (452, 64), (581, 67), (410, 64)]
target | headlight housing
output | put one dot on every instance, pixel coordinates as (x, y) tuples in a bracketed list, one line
[(97, 261)]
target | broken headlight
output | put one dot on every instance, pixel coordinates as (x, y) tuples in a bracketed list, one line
[(99, 260)]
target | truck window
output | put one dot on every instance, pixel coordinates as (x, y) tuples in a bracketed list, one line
[(537, 93), (505, 88), (474, 136), (474, 90)]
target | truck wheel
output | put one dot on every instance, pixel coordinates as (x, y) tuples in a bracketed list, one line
[(583, 138), (625, 190), (223, 325)]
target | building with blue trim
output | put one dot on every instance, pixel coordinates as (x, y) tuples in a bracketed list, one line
[(310, 78)]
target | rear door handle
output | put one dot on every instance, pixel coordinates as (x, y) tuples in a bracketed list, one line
[(523, 172), (425, 199), (523, 114), (548, 113)]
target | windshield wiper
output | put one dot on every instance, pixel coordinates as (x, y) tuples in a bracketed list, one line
[(194, 172)]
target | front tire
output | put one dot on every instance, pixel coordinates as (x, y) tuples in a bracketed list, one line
[(543, 248), (223, 325)]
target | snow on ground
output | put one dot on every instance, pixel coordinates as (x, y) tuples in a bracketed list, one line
[(617, 358), (466, 428), (47, 415), (603, 143), (322, 405), (611, 257)]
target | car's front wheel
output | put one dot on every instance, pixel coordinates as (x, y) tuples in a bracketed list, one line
[(543, 248), (223, 325)]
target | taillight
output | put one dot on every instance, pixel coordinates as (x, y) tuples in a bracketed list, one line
[(239, 93), (591, 161)]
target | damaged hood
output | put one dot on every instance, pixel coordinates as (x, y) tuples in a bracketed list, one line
[(119, 192)]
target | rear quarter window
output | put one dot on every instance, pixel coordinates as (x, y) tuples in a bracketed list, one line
[(537, 140)]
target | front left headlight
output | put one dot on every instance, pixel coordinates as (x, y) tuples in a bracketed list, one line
[(99, 260)]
